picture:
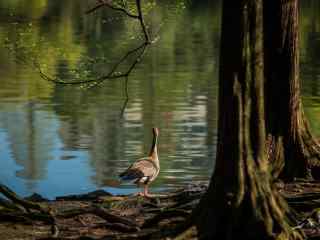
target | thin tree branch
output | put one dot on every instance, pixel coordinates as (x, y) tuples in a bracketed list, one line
[(109, 5), (127, 73), (99, 80), (142, 23)]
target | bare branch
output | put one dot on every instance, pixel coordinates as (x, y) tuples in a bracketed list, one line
[(109, 5), (110, 75), (143, 25)]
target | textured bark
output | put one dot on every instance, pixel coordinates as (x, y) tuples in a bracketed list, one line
[(240, 197), (292, 149)]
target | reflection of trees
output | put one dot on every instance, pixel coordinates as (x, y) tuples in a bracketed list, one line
[(310, 34), (22, 10), (107, 148), (310, 61), (31, 139), (90, 121), (313, 50)]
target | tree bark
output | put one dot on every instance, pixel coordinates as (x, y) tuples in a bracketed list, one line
[(240, 196), (291, 148)]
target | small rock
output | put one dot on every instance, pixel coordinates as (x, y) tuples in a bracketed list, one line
[(88, 196), (35, 197)]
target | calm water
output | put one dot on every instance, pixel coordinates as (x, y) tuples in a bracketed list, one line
[(57, 140)]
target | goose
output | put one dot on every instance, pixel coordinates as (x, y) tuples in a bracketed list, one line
[(144, 170)]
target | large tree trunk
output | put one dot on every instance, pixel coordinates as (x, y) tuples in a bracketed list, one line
[(291, 147), (240, 201)]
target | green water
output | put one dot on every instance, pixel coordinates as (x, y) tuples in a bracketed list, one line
[(57, 139)]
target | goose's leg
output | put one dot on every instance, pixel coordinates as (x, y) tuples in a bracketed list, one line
[(145, 191)]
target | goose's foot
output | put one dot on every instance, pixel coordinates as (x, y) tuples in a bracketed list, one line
[(146, 193), (142, 194), (139, 194)]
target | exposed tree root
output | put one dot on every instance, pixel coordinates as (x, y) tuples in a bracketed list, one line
[(98, 215), (18, 201), (311, 149), (251, 218), (24, 210), (133, 217), (294, 158)]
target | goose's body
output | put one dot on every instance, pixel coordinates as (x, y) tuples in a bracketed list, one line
[(144, 170)]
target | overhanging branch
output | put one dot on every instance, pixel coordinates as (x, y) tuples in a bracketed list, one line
[(109, 5), (111, 74), (141, 20)]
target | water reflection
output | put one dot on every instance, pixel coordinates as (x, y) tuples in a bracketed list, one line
[(310, 61), (61, 139)]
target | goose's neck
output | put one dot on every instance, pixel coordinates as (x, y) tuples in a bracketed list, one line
[(154, 151)]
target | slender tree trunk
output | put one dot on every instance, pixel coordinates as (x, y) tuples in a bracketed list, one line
[(291, 147), (240, 201)]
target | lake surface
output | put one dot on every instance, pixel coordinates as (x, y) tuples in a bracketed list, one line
[(57, 139)]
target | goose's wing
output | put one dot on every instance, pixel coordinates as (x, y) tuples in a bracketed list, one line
[(142, 171)]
